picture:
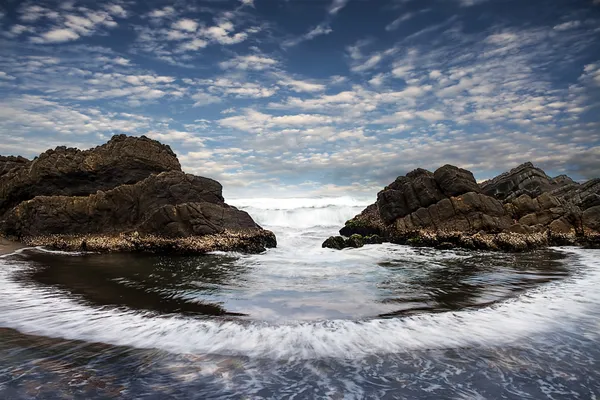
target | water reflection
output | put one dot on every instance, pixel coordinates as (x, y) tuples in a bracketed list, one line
[(476, 280), (160, 284)]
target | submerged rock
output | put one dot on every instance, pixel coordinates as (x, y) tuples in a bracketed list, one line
[(127, 185), (340, 243)]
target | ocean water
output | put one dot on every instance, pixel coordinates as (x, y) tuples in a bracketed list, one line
[(302, 322)]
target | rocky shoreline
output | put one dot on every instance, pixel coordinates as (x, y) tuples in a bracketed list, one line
[(252, 241), (520, 210), (126, 195)]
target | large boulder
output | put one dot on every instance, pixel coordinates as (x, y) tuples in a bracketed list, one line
[(454, 181), (196, 219), (471, 212), (72, 172), (121, 209), (407, 194)]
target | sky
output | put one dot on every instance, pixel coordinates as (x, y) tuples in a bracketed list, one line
[(277, 98)]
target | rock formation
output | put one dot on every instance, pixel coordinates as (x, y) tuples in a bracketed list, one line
[(128, 186), (520, 209)]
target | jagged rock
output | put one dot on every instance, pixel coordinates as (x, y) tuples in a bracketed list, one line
[(72, 172), (366, 223), (586, 195), (454, 181), (127, 195), (470, 212), (9, 163), (524, 179), (195, 219), (407, 194), (563, 180), (591, 218), (113, 211)]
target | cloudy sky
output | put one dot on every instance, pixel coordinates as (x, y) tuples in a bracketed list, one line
[(330, 97)]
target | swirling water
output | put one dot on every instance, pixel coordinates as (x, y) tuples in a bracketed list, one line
[(299, 321)]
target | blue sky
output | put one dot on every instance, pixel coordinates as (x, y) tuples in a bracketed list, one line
[(311, 97)]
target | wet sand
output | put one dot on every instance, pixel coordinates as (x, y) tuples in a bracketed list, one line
[(7, 246)]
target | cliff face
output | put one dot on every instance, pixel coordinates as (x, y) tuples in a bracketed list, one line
[(128, 186), (523, 201)]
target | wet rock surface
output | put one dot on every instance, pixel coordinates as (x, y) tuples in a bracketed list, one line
[(129, 185)]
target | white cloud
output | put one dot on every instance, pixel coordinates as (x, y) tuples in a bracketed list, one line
[(186, 24), (301, 86), (395, 24), (567, 25), (193, 45), (337, 5), (56, 36), (204, 99), (167, 11), (249, 62), (319, 30), (5, 76)]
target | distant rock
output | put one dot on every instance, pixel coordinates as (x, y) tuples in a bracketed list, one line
[(129, 186)]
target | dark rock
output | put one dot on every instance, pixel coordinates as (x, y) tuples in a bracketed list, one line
[(366, 223), (524, 179), (7, 164), (586, 195), (122, 209), (470, 212), (454, 181), (373, 239), (195, 219), (355, 241), (445, 246), (72, 172), (591, 218), (334, 242), (407, 194), (563, 180)]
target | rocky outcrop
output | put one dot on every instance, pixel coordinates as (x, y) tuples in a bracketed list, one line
[(72, 172), (138, 189), (9, 163), (524, 201), (470, 212), (454, 181)]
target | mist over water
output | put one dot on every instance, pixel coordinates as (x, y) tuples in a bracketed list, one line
[(382, 320)]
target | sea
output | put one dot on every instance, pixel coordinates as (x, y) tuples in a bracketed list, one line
[(301, 322)]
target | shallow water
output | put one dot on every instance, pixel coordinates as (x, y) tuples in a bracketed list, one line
[(299, 321)]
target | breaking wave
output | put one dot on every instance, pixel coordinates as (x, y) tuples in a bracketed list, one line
[(302, 212)]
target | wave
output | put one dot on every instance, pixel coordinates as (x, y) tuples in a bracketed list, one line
[(299, 202), (302, 212), (560, 305)]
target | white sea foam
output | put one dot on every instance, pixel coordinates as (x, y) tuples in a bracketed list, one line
[(560, 305), (302, 213)]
